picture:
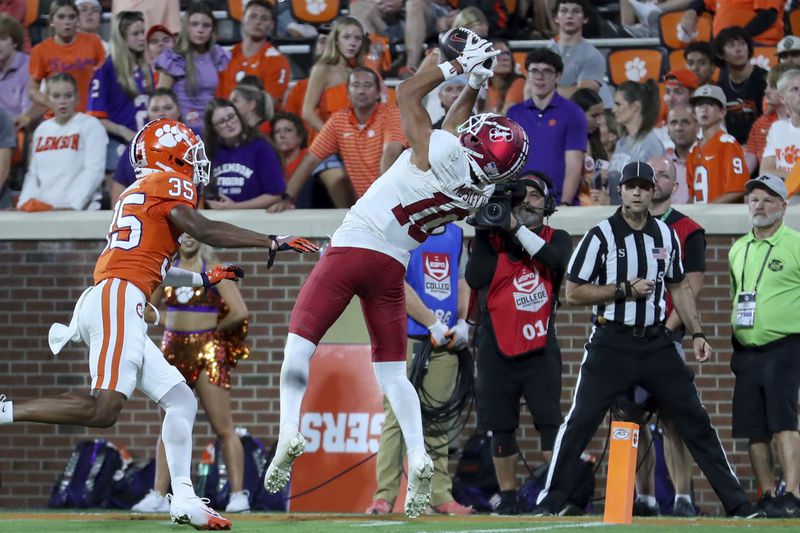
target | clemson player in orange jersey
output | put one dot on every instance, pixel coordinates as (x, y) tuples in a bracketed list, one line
[(146, 226), (715, 167)]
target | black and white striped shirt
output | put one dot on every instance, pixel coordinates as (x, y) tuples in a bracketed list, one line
[(614, 252)]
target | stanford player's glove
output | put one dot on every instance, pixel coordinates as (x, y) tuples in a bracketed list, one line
[(287, 243), (475, 53), (220, 272)]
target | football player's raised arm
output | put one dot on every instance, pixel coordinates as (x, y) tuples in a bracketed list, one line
[(461, 109), (413, 115), (215, 233)]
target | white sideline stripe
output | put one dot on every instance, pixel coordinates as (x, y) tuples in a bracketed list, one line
[(375, 523), (521, 530)]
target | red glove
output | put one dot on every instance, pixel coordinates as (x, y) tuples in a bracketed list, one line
[(286, 243), (220, 272)]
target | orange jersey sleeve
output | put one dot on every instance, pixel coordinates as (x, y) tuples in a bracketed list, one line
[(716, 168), (141, 240)]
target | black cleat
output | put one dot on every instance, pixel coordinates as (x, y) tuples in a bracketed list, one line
[(749, 511), (684, 508), (642, 508)]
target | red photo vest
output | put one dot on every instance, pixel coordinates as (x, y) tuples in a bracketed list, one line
[(520, 302)]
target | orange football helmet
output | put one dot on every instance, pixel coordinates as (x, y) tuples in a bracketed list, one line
[(168, 145)]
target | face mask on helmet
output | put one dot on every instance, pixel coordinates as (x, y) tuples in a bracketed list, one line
[(496, 147), (196, 156)]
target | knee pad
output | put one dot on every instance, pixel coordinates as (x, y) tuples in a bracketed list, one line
[(389, 374), (180, 399), (504, 443)]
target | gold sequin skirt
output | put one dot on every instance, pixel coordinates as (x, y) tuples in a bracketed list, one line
[(216, 352)]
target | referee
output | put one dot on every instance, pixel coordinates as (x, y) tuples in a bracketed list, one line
[(623, 267)]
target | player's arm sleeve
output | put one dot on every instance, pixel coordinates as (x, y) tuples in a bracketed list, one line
[(326, 142), (482, 261), (91, 174), (587, 258), (694, 252), (178, 277)]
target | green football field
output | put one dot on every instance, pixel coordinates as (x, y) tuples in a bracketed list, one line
[(112, 522)]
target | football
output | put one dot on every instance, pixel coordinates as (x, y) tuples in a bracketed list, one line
[(452, 42)]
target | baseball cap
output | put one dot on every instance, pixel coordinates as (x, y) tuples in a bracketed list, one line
[(638, 170), (788, 44), (770, 183), (709, 92), (535, 179), (156, 28), (681, 77)]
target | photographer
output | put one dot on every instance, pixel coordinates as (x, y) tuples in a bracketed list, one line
[(517, 265)]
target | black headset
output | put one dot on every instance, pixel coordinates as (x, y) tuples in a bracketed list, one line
[(549, 197)]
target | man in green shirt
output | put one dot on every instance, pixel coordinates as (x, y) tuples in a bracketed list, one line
[(765, 287)]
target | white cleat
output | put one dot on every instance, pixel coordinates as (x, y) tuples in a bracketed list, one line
[(194, 512), (419, 486), (239, 502), (280, 468), (154, 502)]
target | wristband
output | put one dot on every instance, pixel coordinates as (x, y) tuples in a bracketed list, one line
[(619, 292), (448, 70), (287, 196), (698, 335)]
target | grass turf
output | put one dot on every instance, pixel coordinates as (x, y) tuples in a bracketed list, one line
[(112, 522)]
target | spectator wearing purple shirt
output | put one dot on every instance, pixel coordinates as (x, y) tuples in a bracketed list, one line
[(14, 74), (120, 87), (162, 104), (193, 67), (245, 169), (556, 127)]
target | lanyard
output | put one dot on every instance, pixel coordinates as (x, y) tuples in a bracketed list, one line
[(666, 215), (760, 272)]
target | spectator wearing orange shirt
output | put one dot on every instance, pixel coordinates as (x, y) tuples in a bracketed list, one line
[(90, 15), (367, 136), (346, 48), (763, 19), (255, 55), (775, 110), (782, 151), (68, 50), (715, 170)]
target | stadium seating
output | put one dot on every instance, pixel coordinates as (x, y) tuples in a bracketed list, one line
[(316, 11), (668, 29), (635, 64)]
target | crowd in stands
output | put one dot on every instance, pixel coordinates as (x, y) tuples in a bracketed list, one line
[(723, 82)]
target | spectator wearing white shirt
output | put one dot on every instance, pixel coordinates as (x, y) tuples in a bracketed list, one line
[(783, 140), (68, 154)]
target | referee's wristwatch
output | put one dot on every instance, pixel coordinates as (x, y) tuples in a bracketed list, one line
[(619, 292)]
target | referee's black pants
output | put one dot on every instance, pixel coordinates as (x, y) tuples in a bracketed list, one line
[(614, 360)]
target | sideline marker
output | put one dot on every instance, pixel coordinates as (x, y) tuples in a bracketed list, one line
[(623, 450)]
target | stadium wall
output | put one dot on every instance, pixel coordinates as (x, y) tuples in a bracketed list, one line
[(46, 260)]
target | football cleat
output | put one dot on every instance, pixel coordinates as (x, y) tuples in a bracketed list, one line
[(279, 470), (419, 486), (196, 513), (154, 502)]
